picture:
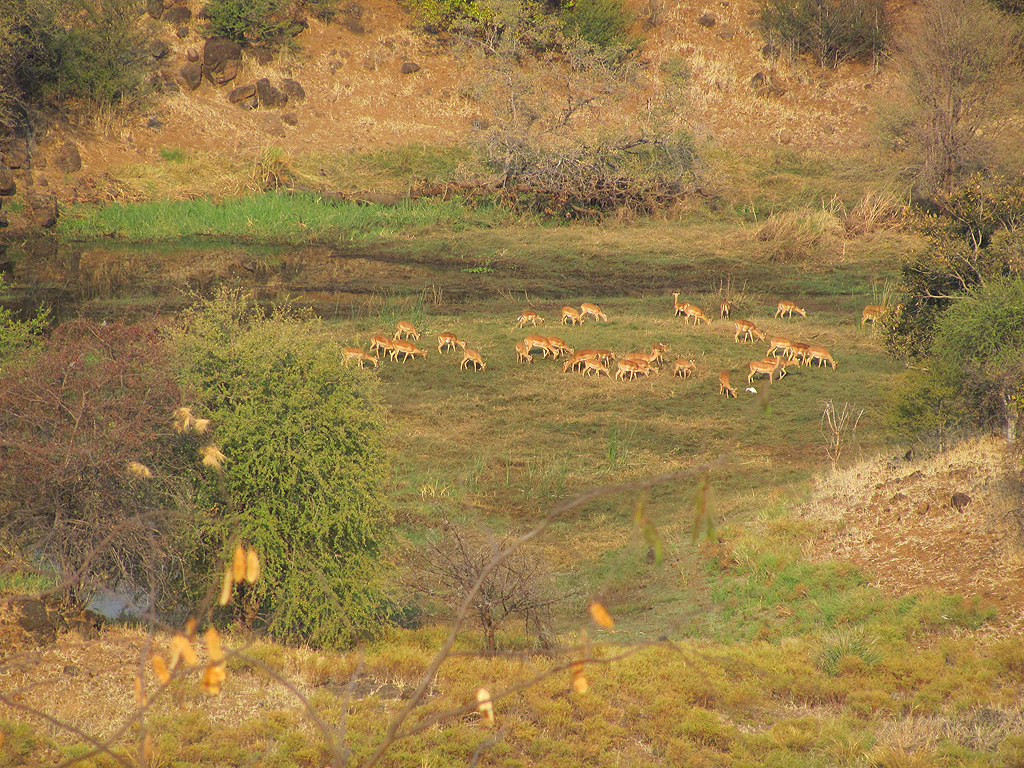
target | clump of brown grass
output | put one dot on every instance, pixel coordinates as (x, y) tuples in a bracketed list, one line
[(875, 211)]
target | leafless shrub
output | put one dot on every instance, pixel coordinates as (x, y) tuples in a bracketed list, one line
[(839, 427)]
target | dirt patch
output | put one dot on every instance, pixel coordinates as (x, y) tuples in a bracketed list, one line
[(898, 521)]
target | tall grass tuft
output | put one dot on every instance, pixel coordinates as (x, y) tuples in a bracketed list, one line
[(847, 643)]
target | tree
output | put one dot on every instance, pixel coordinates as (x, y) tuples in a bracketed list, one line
[(305, 465), (963, 77)]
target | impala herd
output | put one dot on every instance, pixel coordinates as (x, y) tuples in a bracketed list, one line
[(782, 353)]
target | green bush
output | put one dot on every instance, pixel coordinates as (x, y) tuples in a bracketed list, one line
[(603, 23), (830, 30), (303, 479), (250, 21)]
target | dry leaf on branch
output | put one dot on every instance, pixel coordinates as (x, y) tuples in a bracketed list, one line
[(485, 705), (238, 563), (227, 585), (252, 566), (160, 668), (601, 615), (139, 470)]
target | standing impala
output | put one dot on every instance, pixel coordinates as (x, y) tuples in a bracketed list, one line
[(748, 330), (779, 343), (448, 340), (472, 356), (381, 343), (725, 308), (541, 343), (357, 354), (633, 368), (570, 315), (405, 348), (680, 306), (593, 365), (683, 367), (406, 330), (725, 386), (586, 308), (800, 352), (763, 366), (529, 316), (788, 308), (871, 312)]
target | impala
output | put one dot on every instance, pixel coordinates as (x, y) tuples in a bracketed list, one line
[(593, 365), (683, 367), (604, 355), (541, 343), (559, 346), (779, 343), (406, 330), (570, 315), (523, 352), (656, 355), (800, 351), (381, 343), (357, 354), (472, 356), (821, 354), (578, 360), (680, 305), (725, 386), (788, 308), (871, 312), (763, 366), (725, 308), (405, 348), (448, 340), (748, 330), (692, 310), (785, 365), (586, 308), (529, 316), (632, 368)]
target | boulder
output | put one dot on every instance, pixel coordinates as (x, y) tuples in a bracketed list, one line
[(192, 54), (155, 8), (191, 74), (290, 118), (67, 158), (268, 95), (241, 93), (294, 90), (42, 209), (182, 32), (26, 622), (178, 15), (706, 19), (17, 155), (221, 60), (7, 184), (273, 124), (409, 67), (261, 55), (158, 48)]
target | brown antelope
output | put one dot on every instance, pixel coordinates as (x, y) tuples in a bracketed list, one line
[(725, 308), (657, 354), (529, 316), (779, 343), (570, 315), (560, 347), (800, 352), (406, 330), (357, 354), (871, 312), (748, 330), (381, 343), (822, 355), (632, 368), (448, 340), (604, 355), (578, 360), (788, 308), (405, 348), (593, 365), (763, 366), (692, 310), (679, 305), (586, 308), (783, 368), (472, 356), (683, 367), (725, 386), (541, 343), (523, 352)]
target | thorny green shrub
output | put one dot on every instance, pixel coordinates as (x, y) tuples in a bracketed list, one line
[(832, 31)]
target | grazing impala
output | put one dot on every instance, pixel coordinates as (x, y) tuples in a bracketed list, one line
[(472, 356), (779, 343), (822, 355), (604, 355), (593, 365), (570, 315), (632, 369), (406, 330), (541, 343), (725, 386), (783, 368), (788, 308), (357, 354), (381, 343), (683, 367), (448, 340), (529, 316), (692, 310), (725, 308), (800, 351), (763, 366), (559, 346), (586, 308), (748, 331), (523, 352), (578, 360), (405, 348), (657, 354), (871, 312)]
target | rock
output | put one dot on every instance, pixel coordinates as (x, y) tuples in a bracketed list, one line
[(158, 48), (369, 64), (7, 184), (294, 90), (757, 81), (178, 15), (86, 623), (269, 96), (726, 34), (192, 54), (155, 123), (17, 155), (706, 19), (241, 93), (959, 501), (26, 622), (42, 181), (67, 158), (769, 51), (274, 125), (290, 118), (169, 86), (409, 67), (155, 8), (192, 74), (354, 25), (182, 32), (785, 136), (261, 55), (221, 60)]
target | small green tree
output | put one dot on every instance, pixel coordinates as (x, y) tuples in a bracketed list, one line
[(303, 478), (251, 21)]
